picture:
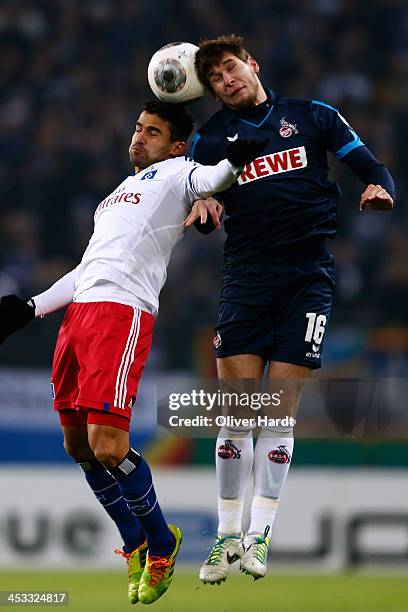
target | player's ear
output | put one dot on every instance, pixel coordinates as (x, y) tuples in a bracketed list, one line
[(254, 64), (178, 148)]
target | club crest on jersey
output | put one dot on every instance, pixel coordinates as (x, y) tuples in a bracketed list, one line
[(287, 129), (148, 175), (228, 450), (274, 163), (217, 340), (279, 455)]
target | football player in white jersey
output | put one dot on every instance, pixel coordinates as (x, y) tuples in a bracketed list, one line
[(105, 337)]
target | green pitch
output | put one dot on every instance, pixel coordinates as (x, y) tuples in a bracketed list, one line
[(106, 592)]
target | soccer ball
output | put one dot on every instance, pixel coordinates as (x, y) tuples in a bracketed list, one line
[(171, 73)]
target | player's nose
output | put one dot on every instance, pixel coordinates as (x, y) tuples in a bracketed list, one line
[(139, 138), (138, 141), (228, 79)]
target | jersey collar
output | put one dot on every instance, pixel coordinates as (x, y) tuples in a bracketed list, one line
[(257, 115)]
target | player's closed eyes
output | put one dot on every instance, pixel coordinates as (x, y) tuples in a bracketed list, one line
[(151, 131), (217, 78)]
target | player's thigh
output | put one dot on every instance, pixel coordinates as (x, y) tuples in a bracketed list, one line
[(286, 381), (239, 376), (282, 370), (245, 366)]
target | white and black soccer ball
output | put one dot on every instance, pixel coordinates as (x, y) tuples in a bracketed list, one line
[(172, 75)]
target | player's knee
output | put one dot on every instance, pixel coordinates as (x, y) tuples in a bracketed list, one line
[(108, 453), (78, 451), (109, 444)]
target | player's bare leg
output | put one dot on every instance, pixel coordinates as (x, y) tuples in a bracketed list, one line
[(109, 444), (234, 458), (273, 454), (111, 447), (76, 443), (240, 366), (108, 493)]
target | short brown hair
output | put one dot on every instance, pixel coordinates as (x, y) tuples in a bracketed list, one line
[(211, 50)]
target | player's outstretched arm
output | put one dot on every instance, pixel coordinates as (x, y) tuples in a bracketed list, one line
[(207, 180), (16, 312), (379, 193), (59, 295), (206, 213), (243, 151)]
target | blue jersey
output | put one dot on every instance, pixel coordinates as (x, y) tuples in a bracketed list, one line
[(284, 203)]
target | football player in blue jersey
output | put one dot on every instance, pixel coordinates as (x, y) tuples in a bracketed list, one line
[(278, 276)]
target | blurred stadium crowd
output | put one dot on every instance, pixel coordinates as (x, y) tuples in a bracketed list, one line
[(72, 78)]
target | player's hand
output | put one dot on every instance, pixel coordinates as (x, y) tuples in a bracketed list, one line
[(204, 208), (376, 198), (15, 313), (242, 151)]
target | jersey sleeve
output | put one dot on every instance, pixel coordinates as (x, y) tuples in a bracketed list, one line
[(338, 136), (60, 294), (371, 171), (195, 181), (203, 181)]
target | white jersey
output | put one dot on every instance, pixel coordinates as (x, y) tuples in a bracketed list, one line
[(137, 227)]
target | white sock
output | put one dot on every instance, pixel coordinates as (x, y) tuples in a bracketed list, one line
[(273, 454), (229, 516), (263, 511), (233, 459)]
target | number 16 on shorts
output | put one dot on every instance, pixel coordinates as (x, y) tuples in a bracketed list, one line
[(316, 326)]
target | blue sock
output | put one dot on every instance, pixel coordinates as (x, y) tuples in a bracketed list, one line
[(135, 481), (108, 492)]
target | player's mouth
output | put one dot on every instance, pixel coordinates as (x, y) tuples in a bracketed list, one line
[(237, 91)]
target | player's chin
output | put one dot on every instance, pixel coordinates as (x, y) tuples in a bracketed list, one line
[(139, 161), (242, 99)]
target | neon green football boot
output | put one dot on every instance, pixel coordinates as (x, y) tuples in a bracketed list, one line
[(225, 551), (158, 572), (136, 562), (253, 561)]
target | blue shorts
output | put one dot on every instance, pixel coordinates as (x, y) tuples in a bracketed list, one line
[(277, 311)]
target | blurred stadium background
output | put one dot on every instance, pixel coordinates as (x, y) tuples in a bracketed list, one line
[(72, 78)]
